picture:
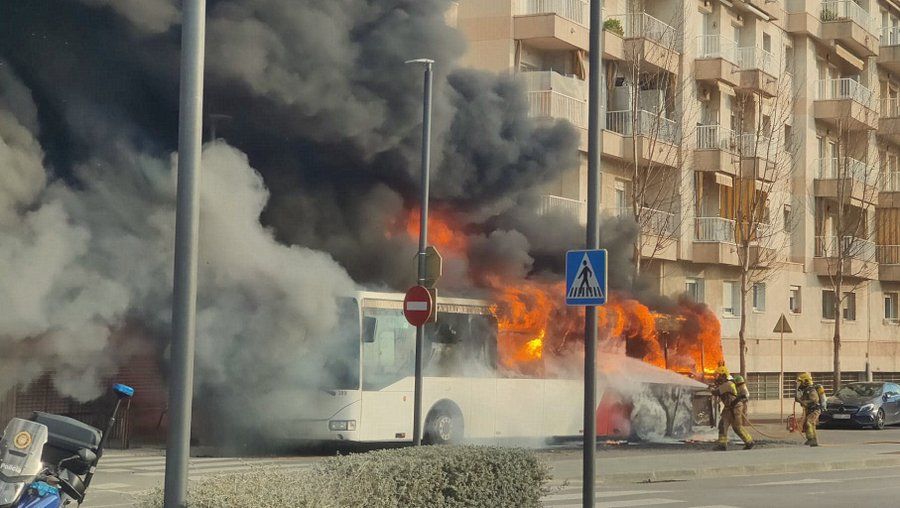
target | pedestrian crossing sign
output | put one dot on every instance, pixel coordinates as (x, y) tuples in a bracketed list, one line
[(586, 274)]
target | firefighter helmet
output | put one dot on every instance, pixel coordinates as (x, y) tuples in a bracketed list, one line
[(804, 378), (738, 379)]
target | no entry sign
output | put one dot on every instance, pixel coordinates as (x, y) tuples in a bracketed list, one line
[(418, 305)]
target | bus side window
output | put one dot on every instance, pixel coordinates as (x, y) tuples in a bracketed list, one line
[(369, 325)]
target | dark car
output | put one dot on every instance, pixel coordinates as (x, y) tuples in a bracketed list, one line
[(863, 405)]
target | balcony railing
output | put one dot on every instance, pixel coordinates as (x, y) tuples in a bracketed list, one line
[(840, 10), (641, 24), (752, 58), (553, 104), (573, 10), (714, 229), (890, 107), (545, 81), (567, 206), (716, 137), (757, 145), (850, 247), (648, 124), (891, 181), (889, 254), (832, 168), (716, 46), (890, 36), (845, 88), (653, 222)]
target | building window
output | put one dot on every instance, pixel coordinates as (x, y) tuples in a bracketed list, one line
[(731, 298), (848, 306), (787, 138), (763, 385), (759, 297), (890, 307), (788, 59), (828, 304), (694, 289), (794, 300)]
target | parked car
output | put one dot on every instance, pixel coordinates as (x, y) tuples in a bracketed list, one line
[(863, 405)]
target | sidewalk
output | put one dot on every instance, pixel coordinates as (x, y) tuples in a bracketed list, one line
[(735, 462)]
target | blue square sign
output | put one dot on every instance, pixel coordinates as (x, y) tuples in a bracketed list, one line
[(586, 272)]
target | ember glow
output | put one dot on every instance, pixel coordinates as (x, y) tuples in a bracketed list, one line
[(443, 232)]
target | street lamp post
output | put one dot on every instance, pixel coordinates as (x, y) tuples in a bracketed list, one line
[(423, 239), (187, 227)]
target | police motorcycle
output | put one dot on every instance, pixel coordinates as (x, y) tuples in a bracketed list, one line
[(48, 461)]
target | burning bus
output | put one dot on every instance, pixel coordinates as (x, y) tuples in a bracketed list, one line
[(473, 389)]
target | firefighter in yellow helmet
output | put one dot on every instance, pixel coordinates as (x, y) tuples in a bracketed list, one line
[(742, 405), (732, 410), (812, 399)]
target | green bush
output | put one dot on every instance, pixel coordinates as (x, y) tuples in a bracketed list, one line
[(432, 476), (614, 26), (828, 15)]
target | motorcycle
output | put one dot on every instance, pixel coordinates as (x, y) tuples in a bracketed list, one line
[(48, 461)]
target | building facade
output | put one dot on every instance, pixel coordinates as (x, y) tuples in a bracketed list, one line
[(765, 131)]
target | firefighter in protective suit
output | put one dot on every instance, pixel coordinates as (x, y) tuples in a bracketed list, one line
[(743, 402), (732, 410), (812, 399)]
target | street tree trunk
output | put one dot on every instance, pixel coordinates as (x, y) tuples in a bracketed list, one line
[(742, 333), (838, 318)]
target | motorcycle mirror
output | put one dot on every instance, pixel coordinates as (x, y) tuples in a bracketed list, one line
[(87, 456), (123, 391)]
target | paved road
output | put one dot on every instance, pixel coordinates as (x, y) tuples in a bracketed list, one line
[(871, 488)]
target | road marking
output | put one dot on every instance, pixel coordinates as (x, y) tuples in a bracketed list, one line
[(612, 493), (626, 504), (109, 486), (805, 481)]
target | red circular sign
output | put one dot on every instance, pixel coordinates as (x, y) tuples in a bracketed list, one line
[(418, 305)]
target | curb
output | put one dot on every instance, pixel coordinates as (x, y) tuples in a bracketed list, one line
[(748, 470)]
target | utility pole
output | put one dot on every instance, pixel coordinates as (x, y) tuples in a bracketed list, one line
[(423, 240), (595, 149), (187, 227)]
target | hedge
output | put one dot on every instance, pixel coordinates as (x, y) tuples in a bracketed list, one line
[(431, 476)]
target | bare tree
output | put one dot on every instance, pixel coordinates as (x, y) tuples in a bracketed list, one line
[(766, 165), (655, 159), (844, 220)]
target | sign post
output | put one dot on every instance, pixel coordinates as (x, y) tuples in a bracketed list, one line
[(586, 276), (782, 327)]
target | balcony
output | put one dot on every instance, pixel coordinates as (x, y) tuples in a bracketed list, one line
[(653, 43), (660, 230), (858, 255), (845, 100), (758, 157), (850, 180), (890, 190), (552, 95), (889, 52), (839, 23), (552, 24), (759, 70), (717, 60), (889, 122), (717, 149), (714, 241), (657, 137), (558, 205), (889, 263)]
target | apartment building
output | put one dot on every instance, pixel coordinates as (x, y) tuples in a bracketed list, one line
[(792, 104)]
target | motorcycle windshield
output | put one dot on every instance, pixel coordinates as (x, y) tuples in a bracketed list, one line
[(20, 457)]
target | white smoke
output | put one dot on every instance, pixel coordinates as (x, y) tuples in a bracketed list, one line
[(78, 263), (150, 16)]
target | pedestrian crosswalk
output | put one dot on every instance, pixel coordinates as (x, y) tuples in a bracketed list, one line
[(200, 467), (570, 497)]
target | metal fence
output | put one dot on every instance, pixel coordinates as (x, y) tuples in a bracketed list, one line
[(841, 10), (648, 124), (845, 88), (714, 229), (716, 137), (891, 181), (641, 24), (573, 10), (566, 206), (890, 107), (752, 57), (889, 254), (756, 145), (846, 247), (653, 222), (890, 36), (832, 168), (716, 46), (552, 104)]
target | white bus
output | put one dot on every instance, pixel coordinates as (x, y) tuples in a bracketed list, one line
[(465, 396)]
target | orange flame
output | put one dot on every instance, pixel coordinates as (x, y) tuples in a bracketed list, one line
[(443, 232)]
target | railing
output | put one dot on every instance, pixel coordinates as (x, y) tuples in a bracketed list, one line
[(840, 10), (641, 24), (832, 169), (714, 229), (547, 81), (653, 222), (890, 107), (573, 10), (716, 46), (752, 57), (552, 104), (891, 181), (890, 36), (567, 206), (845, 88), (716, 137), (648, 124), (756, 145), (889, 254), (849, 247)]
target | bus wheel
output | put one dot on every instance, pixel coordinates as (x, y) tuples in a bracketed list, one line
[(444, 424)]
